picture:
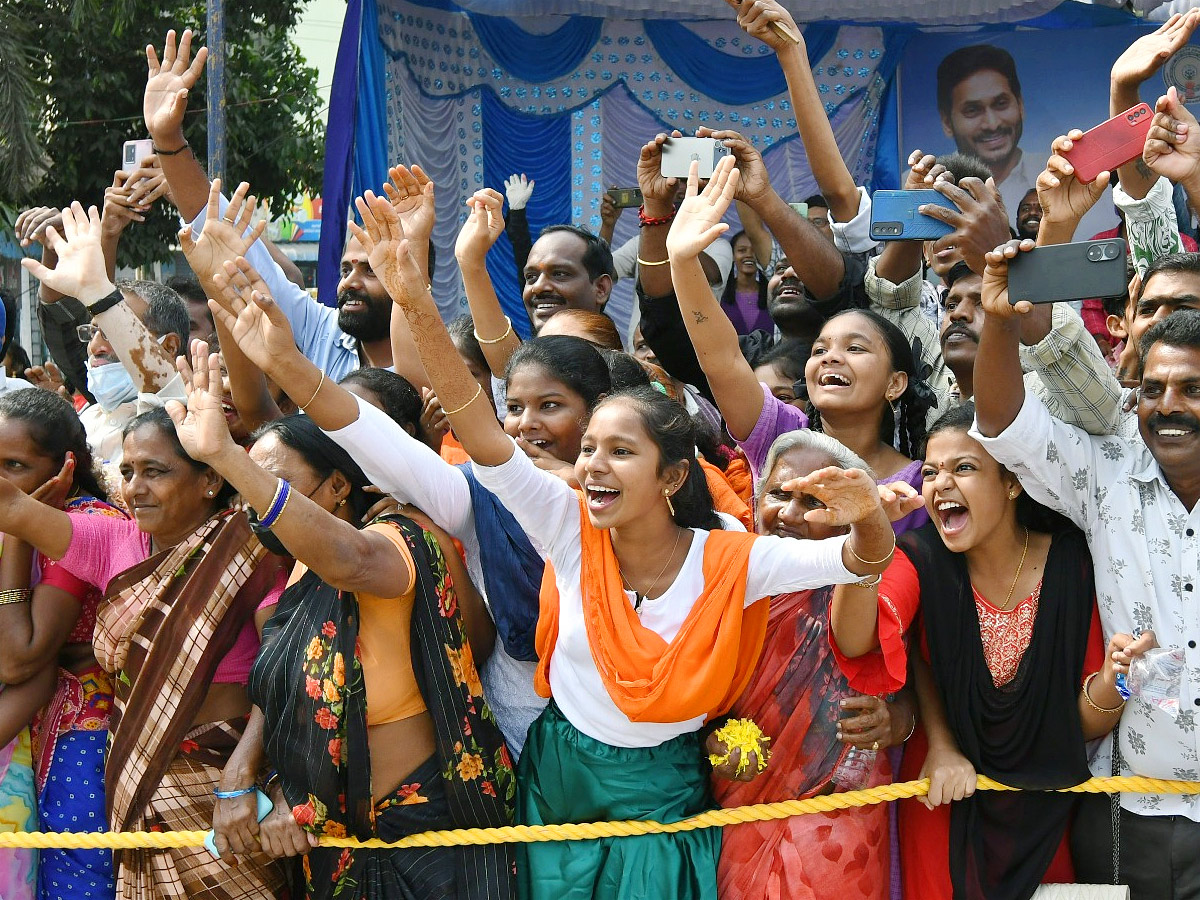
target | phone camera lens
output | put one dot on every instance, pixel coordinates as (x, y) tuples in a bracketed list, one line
[(1110, 251), (1095, 254)]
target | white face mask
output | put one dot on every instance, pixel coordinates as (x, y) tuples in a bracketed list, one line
[(111, 384)]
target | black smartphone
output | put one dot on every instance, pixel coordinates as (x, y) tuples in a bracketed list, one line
[(1068, 272), (625, 198)]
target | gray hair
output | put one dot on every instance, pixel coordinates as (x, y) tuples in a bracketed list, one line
[(166, 312), (806, 439)]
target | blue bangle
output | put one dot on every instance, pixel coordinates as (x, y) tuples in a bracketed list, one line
[(230, 795), (278, 502)]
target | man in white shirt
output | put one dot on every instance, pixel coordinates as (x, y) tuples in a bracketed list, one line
[(1138, 502)]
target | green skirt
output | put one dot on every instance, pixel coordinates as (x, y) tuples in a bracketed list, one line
[(566, 776)]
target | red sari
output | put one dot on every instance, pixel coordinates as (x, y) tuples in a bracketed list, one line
[(794, 696)]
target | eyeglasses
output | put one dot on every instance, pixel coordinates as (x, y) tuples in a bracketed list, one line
[(86, 332)]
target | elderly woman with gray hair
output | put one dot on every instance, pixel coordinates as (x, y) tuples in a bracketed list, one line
[(820, 727)]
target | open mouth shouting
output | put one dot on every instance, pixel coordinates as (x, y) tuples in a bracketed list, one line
[(952, 517), (833, 380), (600, 498)]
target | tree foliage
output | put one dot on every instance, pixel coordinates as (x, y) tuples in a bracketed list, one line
[(87, 66)]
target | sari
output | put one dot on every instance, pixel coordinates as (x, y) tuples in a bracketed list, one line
[(1027, 733), (308, 681), (794, 697), (162, 629)]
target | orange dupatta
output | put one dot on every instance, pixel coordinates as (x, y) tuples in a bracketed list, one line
[(725, 499), (701, 672)]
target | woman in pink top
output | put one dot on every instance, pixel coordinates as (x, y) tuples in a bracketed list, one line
[(182, 584)]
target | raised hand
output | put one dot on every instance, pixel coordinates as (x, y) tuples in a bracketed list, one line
[(1063, 197), (768, 21), (55, 490), (899, 499), (410, 192), (146, 183), (80, 271), (658, 193), (382, 235), (753, 181), (518, 189), (200, 425), (167, 86), (1173, 143), (849, 496), (49, 378), (980, 221), (1147, 54), (223, 239), (995, 281), (245, 308), (484, 225), (698, 222), (924, 170), (31, 225)]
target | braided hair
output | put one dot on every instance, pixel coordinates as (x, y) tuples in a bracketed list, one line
[(907, 432)]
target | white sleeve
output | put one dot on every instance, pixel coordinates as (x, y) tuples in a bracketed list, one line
[(411, 472), (307, 317), (855, 236), (720, 252), (1059, 465), (625, 258), (544, 505), (780, 564)]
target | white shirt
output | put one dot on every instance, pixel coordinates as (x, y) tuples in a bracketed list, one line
[(411, 472), (1146, 549), (625, 262), (10, 383), (855, 236), (548, 509)]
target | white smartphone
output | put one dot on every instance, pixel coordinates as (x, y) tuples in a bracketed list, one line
[(678, 153), (133, 152)]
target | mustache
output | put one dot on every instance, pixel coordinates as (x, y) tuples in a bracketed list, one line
[(346, 296), (960, 329), (794, 283), (1174, 420), (999, 132)]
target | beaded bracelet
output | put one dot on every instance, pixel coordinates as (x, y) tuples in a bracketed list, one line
[(645, 221)]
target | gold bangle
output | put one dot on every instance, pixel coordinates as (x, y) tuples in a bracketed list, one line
[(870, 582), (474, 396), (507, 332), (877, 562), (661, 262), (1088, 699), (15, 595), (911, 730), (320, 384)]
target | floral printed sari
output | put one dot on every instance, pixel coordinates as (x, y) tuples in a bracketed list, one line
[(308, 681)]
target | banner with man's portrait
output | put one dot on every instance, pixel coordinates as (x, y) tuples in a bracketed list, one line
[(1004, 96)]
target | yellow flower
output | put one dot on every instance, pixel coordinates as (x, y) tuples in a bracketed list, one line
[(456, 665), (330, 691), (471, 675), (470, 767), (334, 829), (339, 670), (315, 650)]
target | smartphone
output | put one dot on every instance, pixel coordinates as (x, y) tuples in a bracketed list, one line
[(801, 208), (894, 215), (1068, 272), (265, 807), (133, 152), (678, 153), (1111, 144), (625, 198)]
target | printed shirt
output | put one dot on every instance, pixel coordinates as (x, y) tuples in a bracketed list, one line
[(1146, 548)]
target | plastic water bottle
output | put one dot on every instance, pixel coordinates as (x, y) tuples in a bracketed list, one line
[(854, 771)]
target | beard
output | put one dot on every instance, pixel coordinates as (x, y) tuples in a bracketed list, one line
[(370, 324)]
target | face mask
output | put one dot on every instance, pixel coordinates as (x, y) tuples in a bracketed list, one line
[(111, 385)]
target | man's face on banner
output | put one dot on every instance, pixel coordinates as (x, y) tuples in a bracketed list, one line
[(985, 117)]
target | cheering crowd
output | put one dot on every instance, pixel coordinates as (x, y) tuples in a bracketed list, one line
[(843, 515)]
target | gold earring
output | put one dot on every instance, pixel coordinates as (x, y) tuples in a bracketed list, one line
[(1012, 495), (212, 493), (342, 502), (670, 505)]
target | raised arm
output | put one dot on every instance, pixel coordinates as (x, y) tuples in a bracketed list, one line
[(462, 398), (998, 362), (518, 189), (342, 555), (697, 224), (1173, 145), (80, 272), (1142, 59), (761, 19), (164, 105), (484, 225), (411, 193)]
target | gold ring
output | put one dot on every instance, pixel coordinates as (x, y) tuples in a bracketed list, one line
[(875, 746)]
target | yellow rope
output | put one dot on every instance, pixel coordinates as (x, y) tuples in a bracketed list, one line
[(524, 834)]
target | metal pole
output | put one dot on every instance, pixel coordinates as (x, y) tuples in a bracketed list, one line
[(216, 89)]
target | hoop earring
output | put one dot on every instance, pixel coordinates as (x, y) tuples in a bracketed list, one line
[(670, 505)]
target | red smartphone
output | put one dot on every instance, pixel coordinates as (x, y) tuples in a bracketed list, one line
[(1111, 144)]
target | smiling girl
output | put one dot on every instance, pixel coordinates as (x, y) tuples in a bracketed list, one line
[(1011, 672), (650, 624)]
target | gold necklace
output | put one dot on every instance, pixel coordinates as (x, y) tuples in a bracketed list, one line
[(639, 597), (1016, 577)]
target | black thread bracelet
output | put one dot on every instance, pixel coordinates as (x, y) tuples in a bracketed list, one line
[(106, 303), (170, 152)]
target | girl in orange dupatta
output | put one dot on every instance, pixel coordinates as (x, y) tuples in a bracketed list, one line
[(649, 623)]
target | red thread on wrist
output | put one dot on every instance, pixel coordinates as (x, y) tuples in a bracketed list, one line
[(645, 221)]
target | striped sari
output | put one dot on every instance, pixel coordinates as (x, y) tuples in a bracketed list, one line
[(162, 629)]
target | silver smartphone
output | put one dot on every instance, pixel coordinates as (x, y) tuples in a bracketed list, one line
[(133, 152), (678, 153)]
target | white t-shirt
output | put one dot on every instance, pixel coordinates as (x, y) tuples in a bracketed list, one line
[(548, 509)]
